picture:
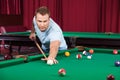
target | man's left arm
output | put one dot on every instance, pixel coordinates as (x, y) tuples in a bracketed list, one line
[(54, 47)]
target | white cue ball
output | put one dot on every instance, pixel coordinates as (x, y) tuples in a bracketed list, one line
[(50, 62), (89, 57)]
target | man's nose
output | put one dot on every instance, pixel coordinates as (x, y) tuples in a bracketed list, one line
[(42, 24)]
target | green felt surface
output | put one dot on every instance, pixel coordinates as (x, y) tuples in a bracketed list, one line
[(77, 34), (98, 68), (92, 35)]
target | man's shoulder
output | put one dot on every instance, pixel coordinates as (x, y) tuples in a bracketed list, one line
[(53, 23)]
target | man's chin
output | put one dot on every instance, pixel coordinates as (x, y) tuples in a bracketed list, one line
[(42, 30)]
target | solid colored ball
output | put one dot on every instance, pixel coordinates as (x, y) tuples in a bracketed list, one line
[(50, 62), (78, 56), (115, 51), (67, 54), (110, 77), (117, 63), (62, 72), (91, 51)]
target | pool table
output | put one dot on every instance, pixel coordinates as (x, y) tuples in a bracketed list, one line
[(95, 39), (78, 38), (90, 39), (98, 68)]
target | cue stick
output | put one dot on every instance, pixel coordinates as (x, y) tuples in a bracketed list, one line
[(40, 48)]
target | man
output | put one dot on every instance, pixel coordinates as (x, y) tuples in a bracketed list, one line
[(48, 32)]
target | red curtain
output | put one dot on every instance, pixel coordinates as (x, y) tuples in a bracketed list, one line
[(31, 5), (81, 15), (78, 15), (110, 16), (10, 7)]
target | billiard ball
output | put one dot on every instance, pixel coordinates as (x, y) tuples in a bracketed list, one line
[(110, 77), (117, 63), (115, 51), (50, 62), (84, 52), (91, 51), (62, 72), (89, 56), (78, 56), (67, 54), (7, 56)]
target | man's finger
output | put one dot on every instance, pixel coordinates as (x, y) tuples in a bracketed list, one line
[(55, 61)]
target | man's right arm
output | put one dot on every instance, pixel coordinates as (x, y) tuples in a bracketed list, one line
[(32, 34), (33, 29)]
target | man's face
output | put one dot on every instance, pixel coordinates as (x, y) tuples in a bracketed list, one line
[(42, 21)]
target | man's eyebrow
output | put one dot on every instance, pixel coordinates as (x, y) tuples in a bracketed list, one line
[(42, 21)]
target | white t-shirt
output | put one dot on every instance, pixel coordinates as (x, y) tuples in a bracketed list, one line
[(51, 34)]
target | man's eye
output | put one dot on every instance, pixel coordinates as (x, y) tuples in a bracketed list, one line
[(45, 21)]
